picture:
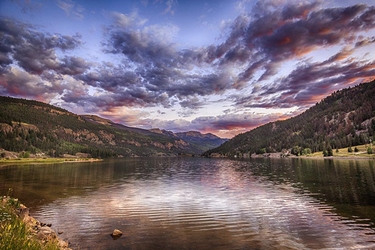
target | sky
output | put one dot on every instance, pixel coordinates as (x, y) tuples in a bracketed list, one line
[(216, 66)]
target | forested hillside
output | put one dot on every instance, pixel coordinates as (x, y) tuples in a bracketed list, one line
[(39, 128), (345, 118)]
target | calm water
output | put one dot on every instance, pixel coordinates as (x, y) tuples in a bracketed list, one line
[(193, 203)]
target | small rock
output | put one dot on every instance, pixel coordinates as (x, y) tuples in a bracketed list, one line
[(46, 233), (63, 244), (116, 234), (23, 211), (47, 230)]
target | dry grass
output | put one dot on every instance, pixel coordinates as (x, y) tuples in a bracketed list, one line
[(343, 152), (4, 161)]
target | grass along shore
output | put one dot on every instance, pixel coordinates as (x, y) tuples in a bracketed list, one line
[(19, 231), (10, 157), (360, 151), (355, 152), (45, 160)]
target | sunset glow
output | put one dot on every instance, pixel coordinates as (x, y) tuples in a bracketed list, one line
[(223, 67)]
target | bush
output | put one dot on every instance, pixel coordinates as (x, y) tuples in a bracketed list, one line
[(260, 151), (350, 149), (296, 150), (307, 151), (325, 153), (25, 155), (369, 150), (14, 233), (329, 151)]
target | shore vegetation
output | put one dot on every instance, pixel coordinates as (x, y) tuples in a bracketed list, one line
[(359, 151), (15, 233)]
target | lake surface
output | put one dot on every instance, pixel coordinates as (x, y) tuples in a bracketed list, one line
[(198, 203)]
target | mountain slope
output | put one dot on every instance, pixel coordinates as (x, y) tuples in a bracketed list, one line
[(202, 142), (345, 118), (36, 127)]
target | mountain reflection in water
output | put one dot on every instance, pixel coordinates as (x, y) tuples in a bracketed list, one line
[(194, 203)]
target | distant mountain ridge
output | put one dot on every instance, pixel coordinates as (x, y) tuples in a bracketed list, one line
[(40, 128), (345, 118), (194, 138)]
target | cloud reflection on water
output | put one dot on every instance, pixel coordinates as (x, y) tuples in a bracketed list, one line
[(204, 204)]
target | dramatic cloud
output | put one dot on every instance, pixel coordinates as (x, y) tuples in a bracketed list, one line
[(273, 55), (259, 42), (33, 51), (155, 71), (22, 47), (275, 36)]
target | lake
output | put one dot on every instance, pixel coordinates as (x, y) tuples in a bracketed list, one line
[(199, 203)]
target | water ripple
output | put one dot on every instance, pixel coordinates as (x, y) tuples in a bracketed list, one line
[(205, 205)]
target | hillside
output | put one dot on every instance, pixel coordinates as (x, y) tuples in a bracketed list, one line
[(345, 118), (40, 128)]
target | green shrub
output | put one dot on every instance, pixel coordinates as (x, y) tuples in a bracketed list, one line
[(369, 150), (14, 233), (24, 155), (329, 151), (307, 151)]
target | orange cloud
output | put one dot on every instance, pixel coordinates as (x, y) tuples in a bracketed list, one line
[(285, 40)]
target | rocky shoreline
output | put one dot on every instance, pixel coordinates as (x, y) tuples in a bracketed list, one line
[(42, 231)]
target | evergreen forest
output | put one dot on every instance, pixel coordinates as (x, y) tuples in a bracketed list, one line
[(346, 118)]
